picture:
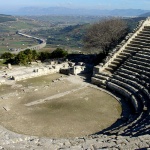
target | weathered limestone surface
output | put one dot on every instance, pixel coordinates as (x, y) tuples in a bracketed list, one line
[(13, 141), (21, 73)]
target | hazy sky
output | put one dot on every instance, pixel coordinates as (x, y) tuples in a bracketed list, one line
[(101, 4)]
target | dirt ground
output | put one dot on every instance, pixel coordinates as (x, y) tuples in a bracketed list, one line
[(56, 106)]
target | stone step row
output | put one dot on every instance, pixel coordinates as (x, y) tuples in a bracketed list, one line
[(141, 39), (139, 62), (119, 87), (143, 55), (136, 85), (146, 38), (138, 45), (136, 70), (98, 82), (141, 79), (140, 58), (144, 33), (129, 63)]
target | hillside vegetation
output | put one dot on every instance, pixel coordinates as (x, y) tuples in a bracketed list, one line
[(6, 18), (67, 36), (60, 31)]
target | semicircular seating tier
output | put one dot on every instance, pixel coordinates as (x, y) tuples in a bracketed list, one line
[(127, 75)]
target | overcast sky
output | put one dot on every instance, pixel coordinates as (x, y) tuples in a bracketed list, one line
[(101, 4)]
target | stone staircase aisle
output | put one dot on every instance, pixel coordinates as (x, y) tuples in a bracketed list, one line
[(127, 74)]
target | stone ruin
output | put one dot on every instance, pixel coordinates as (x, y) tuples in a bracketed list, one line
[(126, 74), (53, 66)]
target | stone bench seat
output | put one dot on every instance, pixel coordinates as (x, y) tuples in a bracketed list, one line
[(125, 85), (113, 86), (144, 126), (122, 127), (143, 34), (137, 70), (118, 59), (145, 52), (102, 77), (129, 63), (133, 83), (142, 55), (140, 43), (125, 53), (132, 48), (133, 77), (140, 39), (146, 27), (145, 31), (126, 75), (144, 77), (141, 66), (141, 79), (113, 66), (109, 69), (121, 56), (132, 128), (104, 74), (98, 81), (124, 92), (115, 62), (143, 131), (137, 86), (139, 58), (130, 51), (139, 62), (130, 72)]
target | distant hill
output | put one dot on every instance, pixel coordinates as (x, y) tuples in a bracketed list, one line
[(67, 36), (145, 14), (69, 11), (127, 12), (6, 18)]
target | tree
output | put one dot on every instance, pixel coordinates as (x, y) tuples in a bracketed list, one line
[(106, 34), (21, 58), (44, 55), (34, 55), (25, 57), (7, 55), (59, 53), (28, 54)]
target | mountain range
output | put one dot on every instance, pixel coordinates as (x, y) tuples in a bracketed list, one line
[(69, 11)]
